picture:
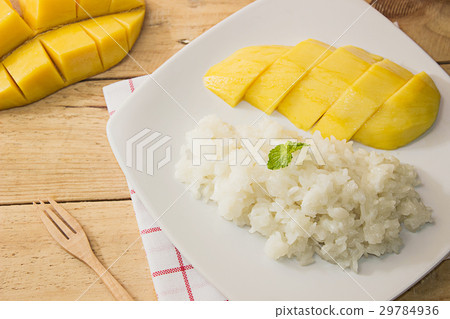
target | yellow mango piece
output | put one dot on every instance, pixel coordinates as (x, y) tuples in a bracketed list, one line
[(273, 85), (93, 8), (404, 116), (73, 51), (13, 29), (110, 37), (230, 78), (10, 95), (132, 21), (311, 97), (123, 5), (44, 14), (362, 99), (33, 71)]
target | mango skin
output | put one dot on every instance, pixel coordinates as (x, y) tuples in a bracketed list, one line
[(13, 29), (48, 63), (312, 96), (405, 116), (362, 99), (275, 83), (230, 78)]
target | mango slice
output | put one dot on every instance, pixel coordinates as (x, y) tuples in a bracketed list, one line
[(362, 99), (405, 116), (273, 85), (231, 78), (132, 22), (66, 55), (311, 97), (110, 37), (76, 59), (33, 71), (10, 95), (13, 29), (44, 14)]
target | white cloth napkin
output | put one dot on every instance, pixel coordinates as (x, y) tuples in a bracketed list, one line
[(173, 276)]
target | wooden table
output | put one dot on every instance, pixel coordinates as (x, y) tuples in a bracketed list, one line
[(57, 147)]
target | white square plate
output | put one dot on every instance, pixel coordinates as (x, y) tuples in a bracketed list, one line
[(231, 258)]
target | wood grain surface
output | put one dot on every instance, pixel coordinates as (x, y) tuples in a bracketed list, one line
[(57, 147)]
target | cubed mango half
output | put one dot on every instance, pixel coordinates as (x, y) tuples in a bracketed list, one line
[(230, 78)]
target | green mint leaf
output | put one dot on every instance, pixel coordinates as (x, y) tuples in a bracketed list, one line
[(281, 155)]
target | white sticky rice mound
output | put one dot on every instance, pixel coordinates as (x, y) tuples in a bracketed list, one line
[(352, 206)]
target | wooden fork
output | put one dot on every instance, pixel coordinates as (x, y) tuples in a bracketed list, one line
[(70, 235)]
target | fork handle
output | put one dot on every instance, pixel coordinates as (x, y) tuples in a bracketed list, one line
[(111, 283)]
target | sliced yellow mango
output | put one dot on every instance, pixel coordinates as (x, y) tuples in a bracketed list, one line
[(362, 99), (33, 71), (132, 21), (92, 8), (110, 37), (10, 95), (311, 97), (123, 5), (76, 58), (44, 14), (404, 116), (13, 29), (230, 78), (271, 86)]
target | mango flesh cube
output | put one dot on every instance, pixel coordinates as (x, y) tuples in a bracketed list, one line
[(33, 71), (362, 99), (230, 78), (87, 8), (272, 86), (110, 37), (44, 14), (132, 21), (73, 51), (404, 116), (123, 5), (311, 97), (13, 29), (10, 95)]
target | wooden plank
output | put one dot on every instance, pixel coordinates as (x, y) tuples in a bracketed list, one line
[(57, 151), (435, 286), (426, 22), (35, 267), (446, 67)]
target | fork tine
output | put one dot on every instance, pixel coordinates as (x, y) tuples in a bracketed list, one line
[(69, 219), (51, 227), (57, 220)]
